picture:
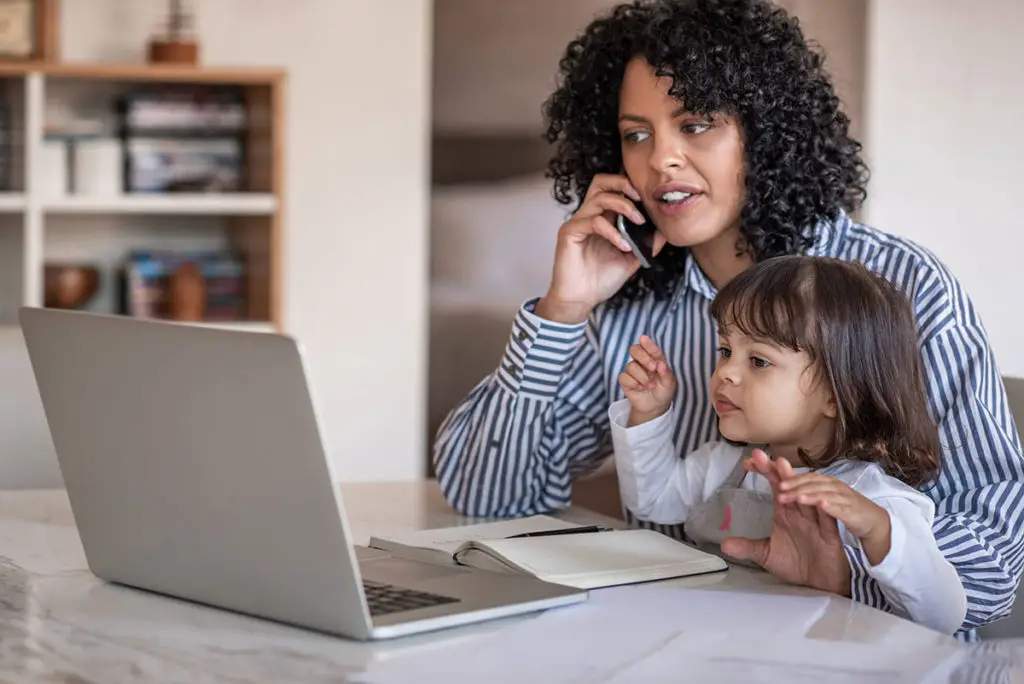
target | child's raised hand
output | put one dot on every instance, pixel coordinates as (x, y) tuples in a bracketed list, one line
[(647, 382), (865, 519)]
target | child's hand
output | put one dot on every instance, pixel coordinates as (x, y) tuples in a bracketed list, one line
[(865, 519), (647, 382)]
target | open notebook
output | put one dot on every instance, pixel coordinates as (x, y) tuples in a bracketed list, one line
[(587, 560)]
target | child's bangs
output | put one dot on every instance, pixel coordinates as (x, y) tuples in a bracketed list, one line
[(770, 309)]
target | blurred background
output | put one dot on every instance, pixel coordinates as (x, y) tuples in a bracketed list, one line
[(367, 176)]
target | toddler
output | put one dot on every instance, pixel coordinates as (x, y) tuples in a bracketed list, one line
[(818, 364)]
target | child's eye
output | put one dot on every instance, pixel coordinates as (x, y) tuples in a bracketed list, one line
[(758, 362), (724, 352)]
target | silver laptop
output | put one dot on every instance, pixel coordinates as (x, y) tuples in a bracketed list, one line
[(195, 466)]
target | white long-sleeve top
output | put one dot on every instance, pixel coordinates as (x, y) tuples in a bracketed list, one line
[(916, 579)]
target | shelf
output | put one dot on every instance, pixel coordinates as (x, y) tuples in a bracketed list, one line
[(144, 72), (11, 201), (237, 204), (38, 227), (164, 72)]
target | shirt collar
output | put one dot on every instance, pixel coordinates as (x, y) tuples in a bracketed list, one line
[(830, 236), (694, 279)]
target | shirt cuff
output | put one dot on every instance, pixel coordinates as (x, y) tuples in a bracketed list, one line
[(618, 414), (538, 353), (886, 571)]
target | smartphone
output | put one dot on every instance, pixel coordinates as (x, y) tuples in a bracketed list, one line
[(639, 237)]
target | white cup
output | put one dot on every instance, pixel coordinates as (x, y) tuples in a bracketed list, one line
[(53, 162), (98, 167)]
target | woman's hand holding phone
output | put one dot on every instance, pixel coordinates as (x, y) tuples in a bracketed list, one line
[(592, 260)]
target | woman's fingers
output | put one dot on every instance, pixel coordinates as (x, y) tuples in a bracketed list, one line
[(611, 183), (762, 464), (599, 225)]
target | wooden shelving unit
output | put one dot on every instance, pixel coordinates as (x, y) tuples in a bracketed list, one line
[(249, 204), (37, 227)]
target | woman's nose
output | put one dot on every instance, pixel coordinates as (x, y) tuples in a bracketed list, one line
[(668, 153)]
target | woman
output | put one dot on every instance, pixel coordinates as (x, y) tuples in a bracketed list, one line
[(718, 119)]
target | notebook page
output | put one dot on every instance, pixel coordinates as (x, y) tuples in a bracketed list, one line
[(619, 554), (447, 539)]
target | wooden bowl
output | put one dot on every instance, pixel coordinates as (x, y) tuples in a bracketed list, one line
[(69, 286)]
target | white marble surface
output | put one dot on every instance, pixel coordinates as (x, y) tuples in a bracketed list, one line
[(58, 623)]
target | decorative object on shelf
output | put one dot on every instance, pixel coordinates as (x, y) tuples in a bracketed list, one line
[(53, 162), (17, 29), (69, 286), (186, 297), (28, 30), (76, 153), (98, 167), (68, 120), (146, 283), (178, 45)]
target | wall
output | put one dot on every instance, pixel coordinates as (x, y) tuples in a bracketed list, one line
[(487, 80), (356, 188), (840, 28), (495, 61), (944, 108)]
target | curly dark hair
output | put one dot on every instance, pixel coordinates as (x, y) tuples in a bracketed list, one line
[(745, 58)]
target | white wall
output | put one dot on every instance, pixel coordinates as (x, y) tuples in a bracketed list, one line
[(944, 112), (356, 201)]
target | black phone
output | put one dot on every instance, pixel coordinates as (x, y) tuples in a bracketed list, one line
[(640, 237)]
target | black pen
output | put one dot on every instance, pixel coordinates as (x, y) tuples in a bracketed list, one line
[(568, 530)]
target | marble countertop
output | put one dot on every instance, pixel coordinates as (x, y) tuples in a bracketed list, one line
[(58, 623)]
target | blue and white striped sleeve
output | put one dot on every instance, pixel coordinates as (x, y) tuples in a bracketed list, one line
[(979, 494), (514, 443)]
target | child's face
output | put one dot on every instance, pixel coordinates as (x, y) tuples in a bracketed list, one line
[(767, 394)]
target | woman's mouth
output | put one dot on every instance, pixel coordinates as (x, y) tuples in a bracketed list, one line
[(676, 201)]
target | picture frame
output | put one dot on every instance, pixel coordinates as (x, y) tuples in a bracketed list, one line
[(29, 30)]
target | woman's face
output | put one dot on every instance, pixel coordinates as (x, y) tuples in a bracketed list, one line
[(688, 169)]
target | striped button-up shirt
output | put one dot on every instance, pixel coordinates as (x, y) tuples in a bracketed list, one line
[(513, 446)]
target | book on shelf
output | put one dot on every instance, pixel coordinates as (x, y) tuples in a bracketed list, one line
[(589, 559), (145, 275)]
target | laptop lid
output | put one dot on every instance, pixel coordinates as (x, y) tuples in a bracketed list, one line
[(134, 420)]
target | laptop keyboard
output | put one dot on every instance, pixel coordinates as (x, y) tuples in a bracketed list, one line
[(384, 599)]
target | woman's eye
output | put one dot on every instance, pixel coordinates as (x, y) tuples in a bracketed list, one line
[(696, 128), (636, 136)]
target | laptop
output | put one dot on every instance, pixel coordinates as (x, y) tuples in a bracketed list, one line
[(195, 465)]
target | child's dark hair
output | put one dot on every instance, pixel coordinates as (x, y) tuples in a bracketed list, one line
[(861, 335)]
